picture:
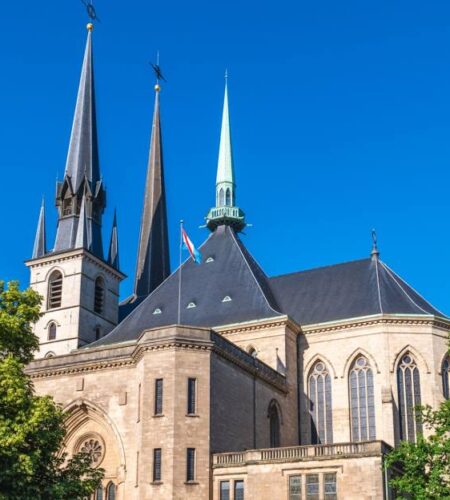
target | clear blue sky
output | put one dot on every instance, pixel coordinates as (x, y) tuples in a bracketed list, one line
[(340, 118)]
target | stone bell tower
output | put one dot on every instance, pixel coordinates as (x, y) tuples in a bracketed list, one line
[(80, 288)]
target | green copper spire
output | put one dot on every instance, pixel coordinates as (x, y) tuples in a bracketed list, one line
[(225, 212)]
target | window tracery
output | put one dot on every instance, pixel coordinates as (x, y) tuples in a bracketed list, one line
[(320, 409), (408, 383), (362, 406)]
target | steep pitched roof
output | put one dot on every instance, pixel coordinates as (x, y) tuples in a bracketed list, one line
[(228, 287), (349, 290)]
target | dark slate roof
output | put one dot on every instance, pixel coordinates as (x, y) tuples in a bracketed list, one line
[(349, 290), (232, 273)]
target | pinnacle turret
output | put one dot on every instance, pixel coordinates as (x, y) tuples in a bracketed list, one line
[(153, 265), (225, 212), (113, 254), (40, 245)]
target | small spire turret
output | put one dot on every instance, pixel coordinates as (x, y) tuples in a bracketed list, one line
[(40, 244), (225, 212), (113, 254), (375, 253)]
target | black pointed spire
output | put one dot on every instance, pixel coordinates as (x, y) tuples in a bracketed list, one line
[(153, 265), (113, 254), (40, 246), (82, 173)]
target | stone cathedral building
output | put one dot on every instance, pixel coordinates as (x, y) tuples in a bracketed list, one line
[(290, 387)]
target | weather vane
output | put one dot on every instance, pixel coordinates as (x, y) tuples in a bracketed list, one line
[(90, 9), (157, 70)]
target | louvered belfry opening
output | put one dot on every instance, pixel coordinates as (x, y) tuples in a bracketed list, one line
[(55, 284), (99, 297)]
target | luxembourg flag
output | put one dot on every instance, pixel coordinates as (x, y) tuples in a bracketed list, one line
[(187, 243)]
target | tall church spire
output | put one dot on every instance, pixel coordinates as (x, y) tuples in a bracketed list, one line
[(153, 265), (82, 172), (225, 212), (40, 246)]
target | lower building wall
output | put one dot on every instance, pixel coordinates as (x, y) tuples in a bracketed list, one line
[(265, 477)]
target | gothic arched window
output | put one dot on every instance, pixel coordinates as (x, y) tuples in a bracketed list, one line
[(274, 423), (55, 284), (408, 382), (99, 296), (221, 198), (111, 491), (51, 331), (228, 198), (362, 405), (319, 390), (99, 493), (446, 377)]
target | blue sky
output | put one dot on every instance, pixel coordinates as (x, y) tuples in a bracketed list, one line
[(340, 120)]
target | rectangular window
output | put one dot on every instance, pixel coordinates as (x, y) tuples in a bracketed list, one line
[(192, 383), (312, 487), (224, 490), (157, 464), (329, 487), (190, 464), (239, 490), (158, 396), (295, 488)]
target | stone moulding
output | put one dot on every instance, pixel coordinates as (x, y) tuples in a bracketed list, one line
[(120, 356)]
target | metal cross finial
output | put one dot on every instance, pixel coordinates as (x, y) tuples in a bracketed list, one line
[(375, 252), (157, 69), (90, 9)]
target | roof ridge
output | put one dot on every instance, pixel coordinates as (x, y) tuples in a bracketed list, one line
[(377, 274), (318, 268), (396, 279), (238, 244)]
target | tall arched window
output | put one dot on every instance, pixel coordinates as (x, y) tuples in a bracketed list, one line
[(446, 377), (228, 198), (362, 406), (408, 382), (99, 296), (51, 331), (55, 284), (319, 391), (274, 423), (99, 493), (221, 198), (111, 491)]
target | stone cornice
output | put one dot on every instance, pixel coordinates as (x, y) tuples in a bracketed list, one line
[(385, 319), (259, 325), (58, 257), (129, 354)]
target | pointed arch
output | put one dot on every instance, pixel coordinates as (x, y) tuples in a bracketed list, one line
[(228, 197), (418, 357), (221, 200), (351, 359), (274, 416), (79, 412), (320, 357), (445, 375), (319, 390)]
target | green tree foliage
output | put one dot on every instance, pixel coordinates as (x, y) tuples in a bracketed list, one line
[(424, 467), (32, 466)]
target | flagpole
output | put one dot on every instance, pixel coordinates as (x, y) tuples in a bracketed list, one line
[(179, 273)]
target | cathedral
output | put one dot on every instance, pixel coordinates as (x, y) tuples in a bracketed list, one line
[(214, 380)]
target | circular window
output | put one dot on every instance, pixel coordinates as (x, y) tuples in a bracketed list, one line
[(361, 361), (319, 367), (407, 359), (93, 445)]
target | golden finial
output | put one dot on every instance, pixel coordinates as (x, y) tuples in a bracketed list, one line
[(89, 26), (157, 88)]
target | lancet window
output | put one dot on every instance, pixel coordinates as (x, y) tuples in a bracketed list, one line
[(274, 424), (408, 382), (362, 406), (221, 198), (99, 295), (55, 284), (446, 378), (319, 391), (228, 198)]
